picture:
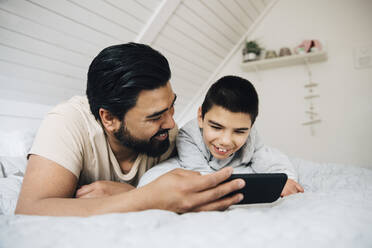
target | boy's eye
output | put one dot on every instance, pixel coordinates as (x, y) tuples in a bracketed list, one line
[(240, 132), (215, 127)]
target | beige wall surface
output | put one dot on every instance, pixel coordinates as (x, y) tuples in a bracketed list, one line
[(345, 103)]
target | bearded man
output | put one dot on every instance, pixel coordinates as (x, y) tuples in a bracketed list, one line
[(90, 151)]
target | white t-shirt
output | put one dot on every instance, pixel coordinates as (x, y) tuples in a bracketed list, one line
[(72, 137)]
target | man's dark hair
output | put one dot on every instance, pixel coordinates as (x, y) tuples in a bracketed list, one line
[(233, 93), (119, 73)]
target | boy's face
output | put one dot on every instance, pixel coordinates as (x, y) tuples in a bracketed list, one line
[(224, 132)]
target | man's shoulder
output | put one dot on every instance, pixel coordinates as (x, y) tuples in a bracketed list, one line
[(74, 110), (72, 116), (75, 104)]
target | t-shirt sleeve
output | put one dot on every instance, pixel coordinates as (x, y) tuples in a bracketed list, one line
[(59, 139)]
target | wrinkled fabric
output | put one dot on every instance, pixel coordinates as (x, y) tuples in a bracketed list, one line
[(334, 211)]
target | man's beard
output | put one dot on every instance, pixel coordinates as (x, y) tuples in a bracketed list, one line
[(152, 147)]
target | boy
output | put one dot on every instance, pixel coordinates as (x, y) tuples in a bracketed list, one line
[(224, 135)]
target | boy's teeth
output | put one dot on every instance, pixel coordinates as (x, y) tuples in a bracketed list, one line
[(222, 150)]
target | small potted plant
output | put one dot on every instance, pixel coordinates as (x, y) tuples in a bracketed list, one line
[(251, 51)]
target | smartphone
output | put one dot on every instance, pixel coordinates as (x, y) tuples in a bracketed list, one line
[(260, 187)]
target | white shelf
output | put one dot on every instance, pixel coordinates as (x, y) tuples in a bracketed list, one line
[(294, 59)]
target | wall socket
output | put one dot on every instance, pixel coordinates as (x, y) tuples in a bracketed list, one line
[(363, 57)]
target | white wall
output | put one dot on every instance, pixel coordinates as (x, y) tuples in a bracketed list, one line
[(345, 103), (15, 115)]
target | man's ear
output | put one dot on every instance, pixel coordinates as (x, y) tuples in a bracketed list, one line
[(110, 122), (200, 118)]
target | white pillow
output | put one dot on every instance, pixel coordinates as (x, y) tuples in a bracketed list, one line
[(9, 190), (16, 143), (14, 146), (12, 166)]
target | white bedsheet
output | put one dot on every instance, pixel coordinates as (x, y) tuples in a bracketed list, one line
[(334, 211)]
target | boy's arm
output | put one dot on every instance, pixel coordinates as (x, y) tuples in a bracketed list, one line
[(269, 160), (190, 156), (48, 189)]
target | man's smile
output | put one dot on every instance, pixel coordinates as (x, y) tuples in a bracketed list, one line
[(161, 136)]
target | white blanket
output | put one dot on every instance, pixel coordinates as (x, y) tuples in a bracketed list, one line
[(334, 211)]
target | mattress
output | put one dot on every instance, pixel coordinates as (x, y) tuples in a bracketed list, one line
[(335, 210)]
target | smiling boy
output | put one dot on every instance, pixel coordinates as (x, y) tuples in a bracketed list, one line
[(224, 135)]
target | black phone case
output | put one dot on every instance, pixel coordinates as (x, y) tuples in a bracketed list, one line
[(260, 187)]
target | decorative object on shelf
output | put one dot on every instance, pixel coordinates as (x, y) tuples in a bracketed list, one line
[(285, 51), (251, 51), (308, 46), (315, 46), (311, 113), (294, 59), (270, 54)]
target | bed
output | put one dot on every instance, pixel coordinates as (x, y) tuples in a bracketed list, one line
[(335, 210)]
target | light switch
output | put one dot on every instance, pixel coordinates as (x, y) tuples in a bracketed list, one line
[(363, 57)]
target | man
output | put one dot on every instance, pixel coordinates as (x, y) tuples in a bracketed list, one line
[(107, 140)]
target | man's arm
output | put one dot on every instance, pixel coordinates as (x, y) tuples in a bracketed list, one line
[(48, 189), (102, 188)]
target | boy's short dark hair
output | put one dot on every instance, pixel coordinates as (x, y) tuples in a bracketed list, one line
[(119, 73), (233, 93)]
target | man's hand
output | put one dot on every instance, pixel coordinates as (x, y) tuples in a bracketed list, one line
[(291, 187), (179, 191), (102, 189), (183, 191)]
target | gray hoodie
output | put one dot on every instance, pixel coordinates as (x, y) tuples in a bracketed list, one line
[(252, 157)]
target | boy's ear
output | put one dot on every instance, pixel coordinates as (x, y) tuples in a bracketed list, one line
[(110, 122), (200, 118)]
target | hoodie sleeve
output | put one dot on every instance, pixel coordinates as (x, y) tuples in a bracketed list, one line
[(191, 150), (270, 160)]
